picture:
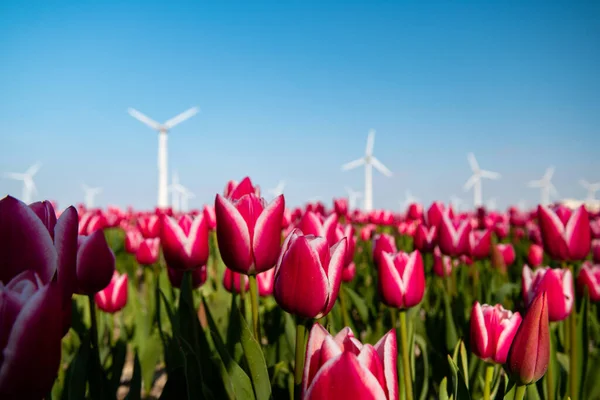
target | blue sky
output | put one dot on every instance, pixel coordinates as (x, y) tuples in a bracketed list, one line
[(289, 89)]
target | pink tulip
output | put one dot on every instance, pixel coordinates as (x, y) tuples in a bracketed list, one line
[(95, 263), (341, 367), (501, 230), (557, 283), (383, 243), (148, 251), (492, 331), (595, 228), (453, 238), (113, 297), (414, 212), (425, 238), (349, 272), (508, 253), (480, 242), (589, 276), (232, 281), (401, 279), (235, 191), (566, 237), (249, 232), (341, 207), (533, 233), (210, 216), (265, 281), (184, 242), (312, 224), (335, 235), (308, 275), (535, 255), (435, 214), (442, 265), (596, 251), (149, 226), (133, 239), (367, 231), (176, 276)]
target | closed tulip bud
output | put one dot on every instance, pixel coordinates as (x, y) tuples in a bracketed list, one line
[(249, 232), (210, 216), (383, 243), (596, 251), (442, 265), (148, 251), (149, 226), (133, 239), (236, 191), (535, 255), (113, 297), (492, 331), (435, 214), (414, 212), (265, 281), (565, 241), (341, 207), (335, 235), (453, 238), (185, 242), (232, 281), (533, 233), (501, 230), (589, 277), (367, 231), (95, 263), (341, 367), (507, 252), (529, 354), (425, 238), (480, 243), (308, 275), (556, 283), (176, 276), (401, 279), (349, 272), (311, 224), (46, 214)]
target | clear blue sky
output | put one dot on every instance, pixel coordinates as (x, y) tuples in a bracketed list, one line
[(289, 89)]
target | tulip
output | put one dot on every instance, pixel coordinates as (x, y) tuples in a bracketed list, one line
[(95, 263), (349, 272), (501, 230), (265, 281), (235, 191), (565, 240), (149, 226), (414, 212), (595, 228), (249, 232), (367, 231), (210, 216), (46, 213), (401, 279), (480, 242), (533, 233), (133, 239), (148, 251), (529, 354), (508, 253), (341, 207), (185, 242), (383, 243), (308, 275), (335, 235), (557, 283), (113, 297), (453, 239), (435, 214), (442, 265), (425, 238), (341, 367), (176, 276), (232, 281), (311, 224), (589, 277), (535, 255), (492, 331), (596, 251), (563, 213)]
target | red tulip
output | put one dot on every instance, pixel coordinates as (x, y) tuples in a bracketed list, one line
[(113, 297), (341, 207), (562, 212), (308, 275), (133, 239), (341, 367), (529, 354), (535, 255), (568, 240), (148, 251), (492, 331), (176, 276), (507, 252), (557, 283), (425, 238), (383, 243), (596, 251), (480, 242), (414, 212), (185, 242), (401, 279), (249, 232), (232, 281), (589, 276), (149, 226), (453, 239), (442, 265), (95, 263)]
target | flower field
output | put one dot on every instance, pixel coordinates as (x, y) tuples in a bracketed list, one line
[(249, 299)]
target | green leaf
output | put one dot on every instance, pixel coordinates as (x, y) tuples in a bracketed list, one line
[(150, 355), (256, 363), (443, 395), (359, 303), (532, 393), (78, 371), (135, 386), (451, 335), (464, 363), (581, 346), (119, 354), (500, 390), (420, 341), (458, 381)]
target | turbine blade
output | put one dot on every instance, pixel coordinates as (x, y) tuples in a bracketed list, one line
[(370, 142), (353, 164), (14, 175), (470, 182), (143, 118), (490, 174), (181, 117), (535, 184), (553, 190), (549, 173), (34, 169), (380, 167), (473, 162)]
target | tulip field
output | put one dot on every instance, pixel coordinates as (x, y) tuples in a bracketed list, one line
[(249, 299)]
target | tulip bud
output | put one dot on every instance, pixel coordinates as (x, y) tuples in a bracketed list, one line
[(414, 212), (113, 297), (149, 226), (235, 191), (311, 224), (401, 279), (566, 237), (435, 214), (383, 243), (95, 263), (535, 255), (453, 238), (308, 275), (501, 230), (133, 239), (442, 265), (335, 235), (148, 251), (184, 242), (176, 276), (480, 242), (349, 272), (556, 283), (232, 281), (210, 217), (589, 276), (367, 231), (529, 354), (341, 207), (425, 238), (492, 331), (507, 252)]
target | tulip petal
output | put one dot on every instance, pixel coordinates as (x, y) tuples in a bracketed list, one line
[(267, 235), (390, 282), (369, 359), (509, 330), (479, 333), (387, 349), (414, 280), (334, 273), (46, 214), (316, 337), (578, 234), (95, 263), (65, 240), (233, 236)]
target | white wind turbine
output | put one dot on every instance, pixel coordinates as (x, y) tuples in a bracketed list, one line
[(545, 185), (475, 179), (89, 194), (163, 130), (179, 194), (408, 199), (277, 190), (591, 188), (353, 196), (29, 188), (369, 161)]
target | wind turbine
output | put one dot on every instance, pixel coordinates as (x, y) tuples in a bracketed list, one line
[(176, 189), (185, 196), (163, 130), (591, 188), (545, 185), (90, 194), (277, 190), (475, 179), (29, 188), (409, 199), (369, 161), (353, 196)]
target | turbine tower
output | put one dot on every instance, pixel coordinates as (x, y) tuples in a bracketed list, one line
[(591, 188), (179, 194), (353, 196), (369, 161), (163, 130), (475, 179), (545, 185), (29, 188), (90, 194)]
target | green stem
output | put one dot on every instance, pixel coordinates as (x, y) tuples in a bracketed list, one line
[(300, 354), (550, 371), (96, 366), (520, 392), (342, 298), (487, 389), (254, 303), (243, 294), (573, 362), (405, 356)]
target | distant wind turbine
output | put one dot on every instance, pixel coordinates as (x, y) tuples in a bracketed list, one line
[(179, 194), (277, 190), (475, 179), (369, 161), (545, 185), (90, 194), (353, 196), (591, 188), (29, 188), (163, 130), (408, 199)]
